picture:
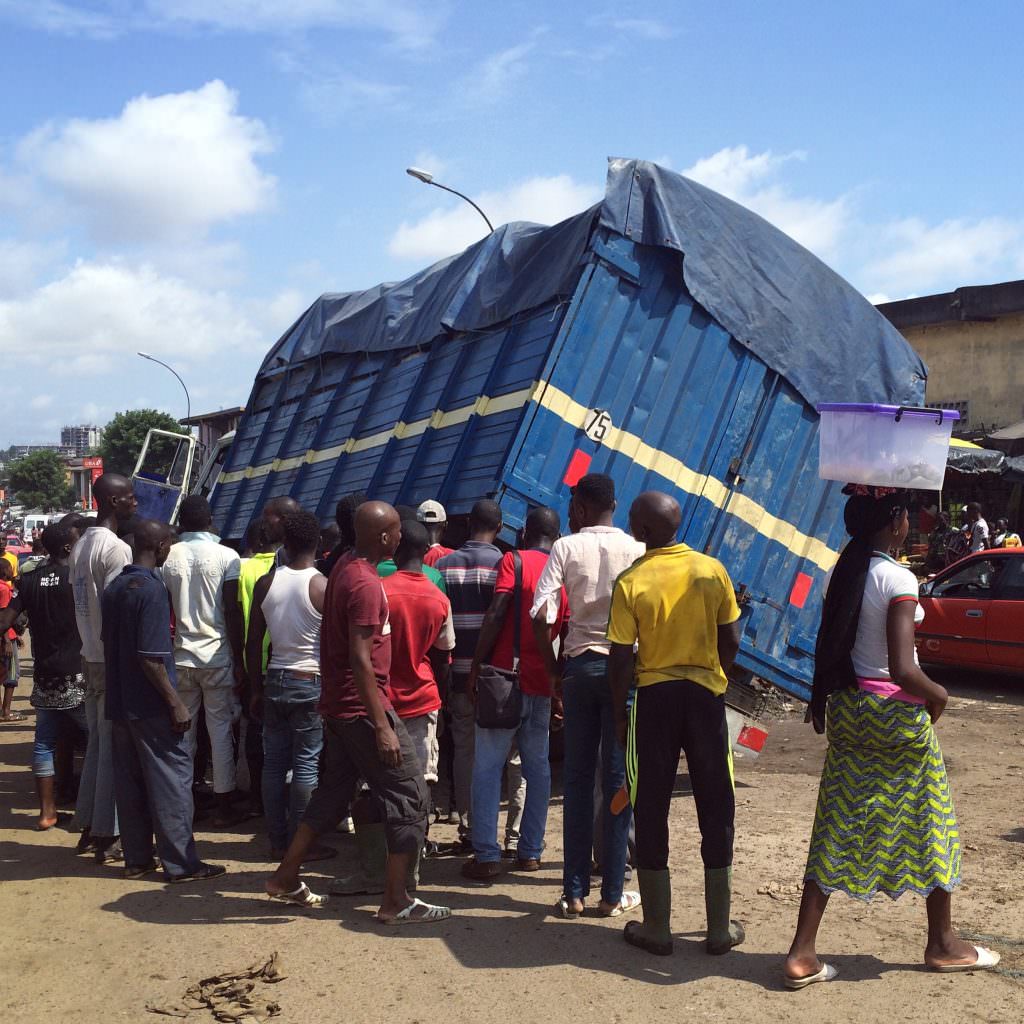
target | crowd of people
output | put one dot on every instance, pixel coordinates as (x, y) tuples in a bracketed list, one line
[(377, 681), (948, 544)]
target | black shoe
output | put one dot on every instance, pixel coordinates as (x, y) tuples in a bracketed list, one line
[(85, 842), (203, 872)]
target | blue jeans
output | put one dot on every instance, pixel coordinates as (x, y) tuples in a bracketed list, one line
[(47, 734), (590, 724), (293, 737), (491, 753), (153, 782)]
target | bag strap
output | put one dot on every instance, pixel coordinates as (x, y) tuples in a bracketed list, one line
[(517, 595)]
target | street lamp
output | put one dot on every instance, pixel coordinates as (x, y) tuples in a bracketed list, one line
[(428, 179), (188, 400)]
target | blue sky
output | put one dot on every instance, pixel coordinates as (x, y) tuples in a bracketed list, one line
[(185, 177)]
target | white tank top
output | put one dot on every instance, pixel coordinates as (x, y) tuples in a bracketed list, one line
[(292, 621)]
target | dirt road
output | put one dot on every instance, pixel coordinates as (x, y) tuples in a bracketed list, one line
[(82, 945)]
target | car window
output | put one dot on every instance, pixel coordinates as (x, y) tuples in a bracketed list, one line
[(973, 581), (1011, 580)]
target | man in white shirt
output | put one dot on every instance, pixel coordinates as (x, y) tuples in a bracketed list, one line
[(977, 528), (201, 576), (95, 562), (587, 565)]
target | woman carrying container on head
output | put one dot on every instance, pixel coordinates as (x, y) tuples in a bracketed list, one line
[(885, 820)]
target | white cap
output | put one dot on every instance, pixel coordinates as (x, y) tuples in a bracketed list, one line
[(431, 512)]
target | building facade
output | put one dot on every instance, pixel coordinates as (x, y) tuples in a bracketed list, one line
[(81, 439), (973, 342)]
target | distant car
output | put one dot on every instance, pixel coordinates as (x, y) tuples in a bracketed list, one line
[(974, 613)]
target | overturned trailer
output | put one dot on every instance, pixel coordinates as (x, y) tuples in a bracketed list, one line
[(667, 336)]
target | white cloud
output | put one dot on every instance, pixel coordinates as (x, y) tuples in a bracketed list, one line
[(23, 262), (449, 229), (644, 28), (41, 402), (494, 76), (101, 313), (749, 177), (410, 23), (168, 167), (915, 255)]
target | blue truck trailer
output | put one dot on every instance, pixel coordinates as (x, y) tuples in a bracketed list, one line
[(667, 336)]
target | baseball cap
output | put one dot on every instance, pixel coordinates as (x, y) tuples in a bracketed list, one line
[(431, 512)]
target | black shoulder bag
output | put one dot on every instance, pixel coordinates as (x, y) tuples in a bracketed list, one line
[(499, 701)]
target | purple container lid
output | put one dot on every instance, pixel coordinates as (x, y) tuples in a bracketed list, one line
[(887, 410)]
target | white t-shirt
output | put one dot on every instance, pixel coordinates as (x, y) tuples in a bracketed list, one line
[(979, 536), (96, 561), (195, 572), (887, 581), (587, 564)]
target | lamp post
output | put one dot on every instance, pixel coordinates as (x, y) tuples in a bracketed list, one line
[(188, 400), (428, 179)]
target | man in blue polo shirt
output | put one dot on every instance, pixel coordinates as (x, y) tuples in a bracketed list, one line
[(149, 721)]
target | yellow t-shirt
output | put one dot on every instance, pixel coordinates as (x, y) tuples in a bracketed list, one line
[(13, 559), (671, 603)]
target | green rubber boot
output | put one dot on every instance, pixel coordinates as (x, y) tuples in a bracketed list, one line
[(723, 934), (372, 850), (654, 935)]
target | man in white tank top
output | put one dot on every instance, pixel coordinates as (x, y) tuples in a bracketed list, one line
[(287, 604)]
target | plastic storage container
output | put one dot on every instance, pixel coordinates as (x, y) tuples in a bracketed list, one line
[(885, 445)]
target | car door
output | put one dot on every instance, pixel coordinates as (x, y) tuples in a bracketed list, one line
[(1005, 630), (956, 606)]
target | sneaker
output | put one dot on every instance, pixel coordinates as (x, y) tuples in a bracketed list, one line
[(526, 864), (108, 851), (347, 827)]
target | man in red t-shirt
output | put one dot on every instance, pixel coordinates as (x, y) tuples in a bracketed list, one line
[(537, 673), (363, 737), (422, 637), (433, 516)]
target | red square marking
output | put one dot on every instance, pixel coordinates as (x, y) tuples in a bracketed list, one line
[(578, 466), (802, 587)]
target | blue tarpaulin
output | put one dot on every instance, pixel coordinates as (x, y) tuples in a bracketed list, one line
[(772, 295)]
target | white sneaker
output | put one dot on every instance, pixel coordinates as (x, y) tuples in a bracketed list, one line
[(347, 827)]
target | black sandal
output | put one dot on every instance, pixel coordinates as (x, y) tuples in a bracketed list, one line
[(631, 933)]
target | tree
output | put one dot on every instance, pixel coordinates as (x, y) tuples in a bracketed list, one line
[(40, 479), (125, 434)]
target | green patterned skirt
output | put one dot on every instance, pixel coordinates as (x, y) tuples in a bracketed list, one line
[(885, 820)]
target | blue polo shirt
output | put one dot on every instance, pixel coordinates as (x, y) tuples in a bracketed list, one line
[(136, 625)]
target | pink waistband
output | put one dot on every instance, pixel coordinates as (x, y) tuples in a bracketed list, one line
[(887, 689)]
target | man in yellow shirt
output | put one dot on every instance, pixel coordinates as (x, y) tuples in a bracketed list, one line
[(674, 630)]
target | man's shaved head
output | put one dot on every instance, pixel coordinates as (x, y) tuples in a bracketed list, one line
[(378, 530), (273, 517), (655, 518), (114, 496), (151, 538), (542, 523)]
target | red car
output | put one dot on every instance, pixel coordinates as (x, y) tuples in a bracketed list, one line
[(974, 613)]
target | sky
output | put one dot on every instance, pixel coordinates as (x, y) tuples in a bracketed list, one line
[(184, 177)]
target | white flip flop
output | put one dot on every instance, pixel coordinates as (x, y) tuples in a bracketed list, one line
[(987, 959), (827, 973)]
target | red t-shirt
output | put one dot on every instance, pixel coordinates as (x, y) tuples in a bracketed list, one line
[(435, 553), (533, 680), (354, 595), (420, 619), (6, 593)]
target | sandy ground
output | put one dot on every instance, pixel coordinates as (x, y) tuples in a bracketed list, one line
[(81, 944)]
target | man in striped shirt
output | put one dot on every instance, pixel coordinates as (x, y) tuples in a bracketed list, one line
[(469, 575)]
